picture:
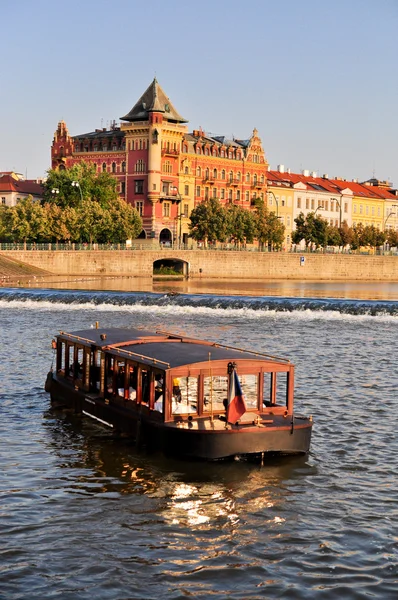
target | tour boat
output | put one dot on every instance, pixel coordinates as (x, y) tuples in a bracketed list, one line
[(186, 397)]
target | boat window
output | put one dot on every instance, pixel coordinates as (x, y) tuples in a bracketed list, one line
[(281, 389), (63, 366), (215, 391), (267, 389), (132, 381), (120, 369), (185, 395), (70, 360), (159, 392), (95, 369), (249, 385), (78, 365), (145, 387)]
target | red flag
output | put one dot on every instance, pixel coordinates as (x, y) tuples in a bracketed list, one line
[(236, 400)]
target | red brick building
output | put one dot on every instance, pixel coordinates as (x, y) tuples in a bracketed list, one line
[(162, 169)]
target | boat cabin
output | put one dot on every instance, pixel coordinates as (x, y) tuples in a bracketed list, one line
[(171, 377)]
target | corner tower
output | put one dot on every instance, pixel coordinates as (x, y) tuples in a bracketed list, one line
[(153, 132)]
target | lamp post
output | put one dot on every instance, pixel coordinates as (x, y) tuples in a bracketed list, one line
[(276, 201), (318, 208), (55, 191), (386, 219), (180, 214), (339, 203), (77, 185)]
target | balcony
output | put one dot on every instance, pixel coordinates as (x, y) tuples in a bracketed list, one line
[(209, 179), (170, 152), (257, 186), (233, 182)]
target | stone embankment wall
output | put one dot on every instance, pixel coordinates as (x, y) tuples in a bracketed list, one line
[(215, 264)]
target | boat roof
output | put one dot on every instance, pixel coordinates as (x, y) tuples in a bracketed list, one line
[(163, 349)]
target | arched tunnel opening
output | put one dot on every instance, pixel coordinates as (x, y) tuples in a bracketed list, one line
[(172, 267)]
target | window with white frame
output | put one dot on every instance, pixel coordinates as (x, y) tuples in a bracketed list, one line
[(166, 209)]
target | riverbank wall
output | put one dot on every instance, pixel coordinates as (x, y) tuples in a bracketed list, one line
[(215, 264)]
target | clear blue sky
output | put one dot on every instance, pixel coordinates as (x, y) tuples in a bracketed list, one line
[(317, 78)]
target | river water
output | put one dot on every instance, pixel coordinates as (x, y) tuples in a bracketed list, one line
[(86, 516)]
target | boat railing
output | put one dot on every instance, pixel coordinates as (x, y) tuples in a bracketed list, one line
[(76, 337), (155, 361), (217, 345)]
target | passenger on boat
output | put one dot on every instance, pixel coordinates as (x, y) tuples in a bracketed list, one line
[(176, 389)]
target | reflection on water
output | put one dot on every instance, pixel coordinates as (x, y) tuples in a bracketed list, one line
[(303, 289), (87, 516)]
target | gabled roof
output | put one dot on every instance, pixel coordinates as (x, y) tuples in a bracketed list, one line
[(332, 186), (153, 100), (9, 184)]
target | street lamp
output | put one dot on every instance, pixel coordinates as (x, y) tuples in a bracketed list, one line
[(339, 203), (77, 184), (388, 216), (180, 214), (55, 191), (318, 208), (276, 201)]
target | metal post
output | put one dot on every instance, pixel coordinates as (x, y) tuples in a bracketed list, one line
[(276, 201)]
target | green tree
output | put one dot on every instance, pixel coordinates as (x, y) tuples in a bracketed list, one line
[(94, 222), (240, 225), (392, 237), (58, 224), (373, 237), (269, 229), (208, 222), (346, 234), (125, 222), (60, 187), (5, 234), (312, 229), (333, 236), (26, 221)]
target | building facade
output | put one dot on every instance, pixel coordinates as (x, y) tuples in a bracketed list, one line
[(163, 170), (14, 187)]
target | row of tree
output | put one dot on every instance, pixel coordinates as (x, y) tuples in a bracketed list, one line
[(212, 222), (81, 205), (78, 205), (316, 231)]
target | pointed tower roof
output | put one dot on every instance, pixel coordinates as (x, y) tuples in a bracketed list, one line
[(153, 100)]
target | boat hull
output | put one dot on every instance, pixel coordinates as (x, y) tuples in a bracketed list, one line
[(204, 439)]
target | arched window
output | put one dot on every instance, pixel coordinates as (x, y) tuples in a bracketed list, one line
[(215, 173), (223, 174), (186, 170), (262, 179), (238, 194), (123, 167), (231, 176), (104, 167), (238, 176), (198, 172), (247, 177), (255, 179), (207, 174), (113, 167)]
